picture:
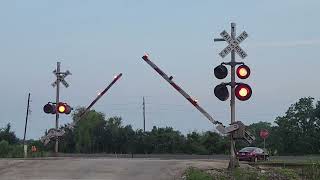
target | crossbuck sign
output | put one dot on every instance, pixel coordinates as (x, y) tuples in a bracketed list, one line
[(233, 44), (60, 77)]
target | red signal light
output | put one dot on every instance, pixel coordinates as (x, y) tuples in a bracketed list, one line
[(243, 72), (64, 108), (61, 108), (243, 92)]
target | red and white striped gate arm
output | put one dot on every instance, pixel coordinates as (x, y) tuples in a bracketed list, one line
[(179, 89), (115, 79)]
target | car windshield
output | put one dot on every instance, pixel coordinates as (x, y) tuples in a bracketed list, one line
[(247, 149)]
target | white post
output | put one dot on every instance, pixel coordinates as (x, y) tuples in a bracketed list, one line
[(25, 150)]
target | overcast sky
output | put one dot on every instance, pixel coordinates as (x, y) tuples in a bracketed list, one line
[(96, 40)]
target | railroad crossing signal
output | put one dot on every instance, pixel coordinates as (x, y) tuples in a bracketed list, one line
[(58, 107), (56, 133), (61, 108), (240, 90)]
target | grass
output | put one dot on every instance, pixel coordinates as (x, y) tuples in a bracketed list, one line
[(283, 170), (311, 171), (197, 174), (244, 174), (286, 173), (248, 174)]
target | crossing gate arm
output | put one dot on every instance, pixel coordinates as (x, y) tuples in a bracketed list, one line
[(194, 102)]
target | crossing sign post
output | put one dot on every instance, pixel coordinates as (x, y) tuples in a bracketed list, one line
[(60, 78), (233, 48)]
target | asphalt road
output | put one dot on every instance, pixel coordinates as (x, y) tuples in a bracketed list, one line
[(63, 168)]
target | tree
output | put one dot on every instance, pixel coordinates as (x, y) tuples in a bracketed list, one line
[(8, 135), (85, 130), (297, 131), (255, 129), (4, 148), (193, 144), (213, 142)]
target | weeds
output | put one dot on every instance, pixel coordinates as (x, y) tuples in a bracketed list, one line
[(197, 174)]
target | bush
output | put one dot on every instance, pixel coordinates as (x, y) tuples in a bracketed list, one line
[(15, 151), (196, 174), (4, 148), (287, 173), (311, 171)]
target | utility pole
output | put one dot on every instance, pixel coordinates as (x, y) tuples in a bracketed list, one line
[(25, 127), (144, 115)]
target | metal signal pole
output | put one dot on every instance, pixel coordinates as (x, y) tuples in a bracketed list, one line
[(233, 161), (56, 147)]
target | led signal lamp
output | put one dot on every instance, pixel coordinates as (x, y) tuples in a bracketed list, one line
[(243, 71), (64, 108), (243, 91)]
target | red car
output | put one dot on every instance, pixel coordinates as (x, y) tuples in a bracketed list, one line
[(252, 154)]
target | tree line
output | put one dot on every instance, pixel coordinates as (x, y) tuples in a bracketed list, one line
[(296, 132), (96, 134)]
